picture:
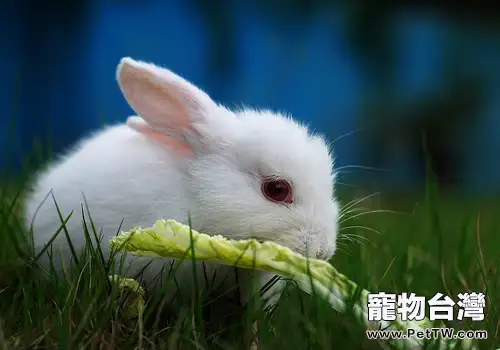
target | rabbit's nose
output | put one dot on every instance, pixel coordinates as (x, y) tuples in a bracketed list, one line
[(325, 250), (317, 246)]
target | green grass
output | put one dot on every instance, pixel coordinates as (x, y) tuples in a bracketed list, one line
[(427, 244)]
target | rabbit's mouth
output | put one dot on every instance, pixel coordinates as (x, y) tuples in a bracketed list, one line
[(281, 243), (261, 241)]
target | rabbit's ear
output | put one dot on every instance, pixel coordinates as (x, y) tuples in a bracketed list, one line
[(169, 105)]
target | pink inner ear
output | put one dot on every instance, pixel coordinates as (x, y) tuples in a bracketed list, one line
[(162, 139), (161, 103)]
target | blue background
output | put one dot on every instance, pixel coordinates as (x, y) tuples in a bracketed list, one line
[(58, 61)]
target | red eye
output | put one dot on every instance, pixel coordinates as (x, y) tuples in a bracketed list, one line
[(277, 190)]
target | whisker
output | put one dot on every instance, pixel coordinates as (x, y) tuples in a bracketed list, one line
[(344, 184), (359, 239), (371, 212), (355, 236), (355, 202), (357, 210), (345, 251), (350, 133), (343, 238), (344, 248), (350, 240), (362, 167), (359, 227)]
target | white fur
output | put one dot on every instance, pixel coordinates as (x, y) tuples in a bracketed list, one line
[(125, 176)]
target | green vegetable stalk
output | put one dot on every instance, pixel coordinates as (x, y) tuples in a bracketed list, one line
[(171, 239)]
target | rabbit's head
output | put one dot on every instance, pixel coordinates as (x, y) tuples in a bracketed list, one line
[(249, 173)]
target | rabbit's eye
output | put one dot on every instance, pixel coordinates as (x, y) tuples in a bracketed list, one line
[(277, 190)]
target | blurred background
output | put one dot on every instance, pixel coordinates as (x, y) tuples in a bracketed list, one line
[(374, 76)]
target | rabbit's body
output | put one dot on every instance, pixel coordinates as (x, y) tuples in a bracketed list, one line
[(111, 193), (239, 174), (115, 200)]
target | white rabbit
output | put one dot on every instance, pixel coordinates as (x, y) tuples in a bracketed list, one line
[(240, 174)]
